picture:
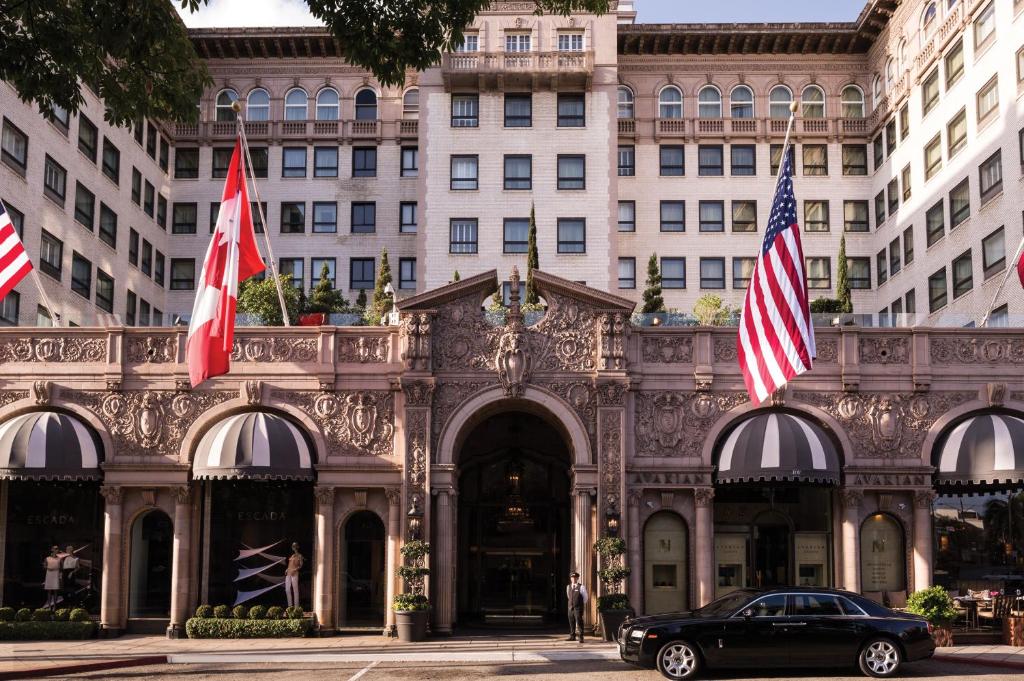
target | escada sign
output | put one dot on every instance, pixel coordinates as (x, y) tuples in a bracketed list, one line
[(52, 518), (262, 516)]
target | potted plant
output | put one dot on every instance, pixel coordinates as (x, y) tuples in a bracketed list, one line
[(411, 606), (612, 606), (935, 605)]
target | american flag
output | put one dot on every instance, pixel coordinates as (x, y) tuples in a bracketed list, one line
[(14, 261), (776, 337)]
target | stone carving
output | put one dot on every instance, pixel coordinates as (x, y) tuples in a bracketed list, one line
[(703, 496), (674, 423), (675, 348), (582, 397), (996, 393), (418, 393), (611, 460), (151, 349), (924, 498), (182, 494), (324, 494), (886, 425), (274, 349), (875, 480), (884, 349), (54, 349), (564, 340), (467, 340), (415, 469), (513, 360), (415, 329), (112, 494), (394, 497), (778, 396), (253, 391), (10, 396), (962, 350), (448, 395), (354, 423), (612, 393), (828, 351), (41, 392), (725, 349), (363, 349), (615, 330), (852, 498)]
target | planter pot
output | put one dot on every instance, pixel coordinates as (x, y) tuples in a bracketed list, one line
[(1013, 630), (942, 635), (411, 625), (611, 620)]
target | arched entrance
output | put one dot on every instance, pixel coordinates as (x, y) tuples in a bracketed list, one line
[(363, 576), (514, 541), (149, 580)]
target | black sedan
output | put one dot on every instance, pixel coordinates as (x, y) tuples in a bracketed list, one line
[(794, 627)]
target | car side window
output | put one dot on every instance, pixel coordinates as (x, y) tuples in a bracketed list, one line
[(849, 607), (807, 605), (770, 606)]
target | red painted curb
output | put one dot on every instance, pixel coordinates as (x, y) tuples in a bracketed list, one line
[(82, 668), (956, 659)]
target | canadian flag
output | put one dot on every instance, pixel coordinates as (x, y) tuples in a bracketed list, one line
[(1020, 269), (232, 257)]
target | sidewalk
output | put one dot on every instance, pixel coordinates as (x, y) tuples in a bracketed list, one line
[(991, 655)]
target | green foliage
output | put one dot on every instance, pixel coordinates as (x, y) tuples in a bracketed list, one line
[(653, 302), (239, 612), (7, 614), (79, 615), (407, 602), (259, 299), (711, 311), (934, 604), (62, 614), (247, 628), (23, 615), (415, 549), (610, 547), (413, 572), (324, 298), (361, 299), (221, 612), (497, 303), (204, 611), (42, 615), (613, 573), (293, 612), (47, 631), (532, 261), (381, 303), (274, 612), (826, 306), (613, 602), (456, 277), (410, 573), (258, 612), (842, 283)]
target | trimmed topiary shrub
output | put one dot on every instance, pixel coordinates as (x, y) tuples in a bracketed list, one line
[(204, 611), (23, 615), (239, 612), (258, 612), (274, 612), (79, 615), (42, 615), (7, 614), (46, 631), (222, 612), (247, 628), (935, 604), (62, 614), (293, 612)]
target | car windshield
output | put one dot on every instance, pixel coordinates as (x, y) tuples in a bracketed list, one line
[(726, 605)]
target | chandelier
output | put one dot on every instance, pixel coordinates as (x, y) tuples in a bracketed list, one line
[(514, 517)]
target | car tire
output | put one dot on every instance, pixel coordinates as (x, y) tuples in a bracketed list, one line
[(678, 660), (880, 658)]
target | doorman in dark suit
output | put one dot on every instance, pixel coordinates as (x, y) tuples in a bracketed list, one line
[(576, 593)]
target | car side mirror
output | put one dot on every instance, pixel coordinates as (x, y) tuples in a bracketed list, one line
[(748, 613)]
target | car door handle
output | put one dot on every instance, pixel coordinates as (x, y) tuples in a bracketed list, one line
[(789, 624)]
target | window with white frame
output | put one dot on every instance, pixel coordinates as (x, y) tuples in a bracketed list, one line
[(517, 42), (570, 41), (327, 105)]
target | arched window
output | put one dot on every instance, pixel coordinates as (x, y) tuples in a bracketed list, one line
[(890, 74), (853, 102), (883, 562), (625, 102), (670, 103), (295, 103), (411, 104), (779, 100), (901, 57), (224, 100), (876, 91), (813, 102), (709, 102), (327, 104), (366, 105), (257, 105), (741, 104), (666, 574), (928, 22)]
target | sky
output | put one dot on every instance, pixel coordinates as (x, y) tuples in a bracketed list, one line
[(295, 12)]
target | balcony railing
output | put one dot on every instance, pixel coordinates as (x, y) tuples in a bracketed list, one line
[(483, 69), (627, 126), (307, 129), (408, 128), (723, 128), (670, 127), (365, 128)]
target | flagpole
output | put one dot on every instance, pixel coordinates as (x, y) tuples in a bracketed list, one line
[(46, 299), (785, 143), (259, 207), (1010, 267)]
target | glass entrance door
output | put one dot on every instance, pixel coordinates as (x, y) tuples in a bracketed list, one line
[(771, 556)]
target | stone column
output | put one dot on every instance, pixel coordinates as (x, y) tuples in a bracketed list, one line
[(581, 540), (181, 564), (443, 569), (392, 557), (323, 561), (923, 539), (852, 499), (634, 551), (111, 622), (704, 550)]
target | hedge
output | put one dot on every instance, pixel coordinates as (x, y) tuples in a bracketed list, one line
[(46, 631), (199, 627)]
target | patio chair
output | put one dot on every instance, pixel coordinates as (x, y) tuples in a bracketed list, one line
[(1000, 610)]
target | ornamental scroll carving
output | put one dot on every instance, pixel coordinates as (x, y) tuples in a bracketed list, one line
[(448, 395), (415, 330), (673, 423), (274, 349), (415, 469), (886, 425), (354, 423), (363, 349), (148, 422), (667, 348), (54, 350), (884, 350), (581, 396), (615, 330), (611, 460), (725, 349), (151, 349), (11, 396), (513, 359), (964, 350)]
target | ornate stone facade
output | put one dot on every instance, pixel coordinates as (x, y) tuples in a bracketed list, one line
[(355, 423), (674, 423)]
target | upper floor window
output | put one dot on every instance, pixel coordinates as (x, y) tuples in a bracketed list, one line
[(518, 110), (14, 148), (571, 110), (570, 41), (223, 105), (890, 74), (366, 105), (853, 102), (411, 104), (985, 28), (928, 22), (517, 42), (954, 61), (670, 103), (778, 101), (327, 108), (988, 100), (813, 101), (257, 105), (741, 104), (465, 111), (625, 102), (295, 103), (930, 92), (470, 43), (709, 102)]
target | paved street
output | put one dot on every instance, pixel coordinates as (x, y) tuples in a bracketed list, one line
[(546, 671)]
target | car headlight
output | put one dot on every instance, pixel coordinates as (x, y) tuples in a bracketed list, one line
[(636, 634)]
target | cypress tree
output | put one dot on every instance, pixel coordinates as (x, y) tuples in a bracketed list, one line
[(380, 305), (842, 285), (532, 261), (456, 277), (653, 302), (324, 297)]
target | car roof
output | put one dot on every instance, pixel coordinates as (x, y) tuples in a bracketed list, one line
[(807, 590)]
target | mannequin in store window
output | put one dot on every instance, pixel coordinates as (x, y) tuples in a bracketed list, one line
[(291, 575), (68, 570), (51, 584)]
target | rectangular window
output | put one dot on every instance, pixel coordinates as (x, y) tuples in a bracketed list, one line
[(908, 245), (519, 171), (17, 219), (816, 216), (407, 221), (143, 312), (858, 273), (258, 211), (627, 273), (1000, 317), (161, 211), (136, 187), (293, 161), (954, 64), (465, 111), (744, 216), (930, 92), (133, 247), (185, 216), (742, 271), (855, 216), (570, 41), (879, 209), (222, 160), (904, 121), (470, 43), (316, 271), (462, 235), (104, 291), (364, 161), (985, 28), (671, 161), (572, 235), (673, 272), (890, 137), (572, 172), (878, 147), (933, 157), (935, 223), (517, 42), (151, 140), (364, 217), (959, 204), (775, 157), (158, 269), (464, 172), (108, 226), (410, 162), (214, 215), (819, 273), (85, 206), (60, 117), (990, 176), (51, 255), (893, 195), (294, 269), (571, 113), (81, 275), (518, 110), (963, 275), (882, 265), (517, 232), (895, 265), (55, 181), (148, 199), (905, 178), (744, 159), (325, 217), (325, 162), (712, 216), (815, 159), (186, 163), (855, 159), (627, 216), (627, 160), (146, 261), (260, 158), (293, 217), (10, 308), (712, 273), (673, 216), (165, 148), (407, 273), (88, 137), (14, 147), (910, 302), (709, 160), (956, 133), (937, 290), (993, 252), (988, 101)]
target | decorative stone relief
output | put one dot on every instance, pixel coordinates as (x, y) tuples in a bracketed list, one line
[(415, 470), (828, 351), (851, 498), (467, 341), (66, 349), (612, 393), (324, 494), (363, 349), (996, 394), (11, 396), (151, 349), (615, 329), (112, 494), (182, 494), (884, 349), (703, 496), (581, 396), (418, 393), (274, 349), (675, 348), (924, 498), (41, 392), (897, 480), (415, 329), (564, 340), (674, 423), (611, 460), (513, 360), (354, 423), (448, 395), (725, 349), (886, 425), (962, 350), (253, 391)]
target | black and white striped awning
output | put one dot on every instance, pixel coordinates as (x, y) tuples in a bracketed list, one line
[(775, 446), (982, 451), (253, 446), (47, 445)]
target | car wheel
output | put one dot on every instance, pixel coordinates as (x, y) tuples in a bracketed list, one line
[(678, 660), (880, 658)]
